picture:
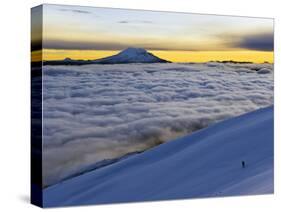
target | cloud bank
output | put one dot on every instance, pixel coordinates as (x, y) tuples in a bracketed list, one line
[(96, 112), (76, 11), (261, 42)]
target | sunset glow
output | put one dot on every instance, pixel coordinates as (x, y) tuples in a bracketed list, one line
[(91, 33), (174, 56)]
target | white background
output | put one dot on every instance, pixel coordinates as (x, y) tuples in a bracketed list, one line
[(15, 112)]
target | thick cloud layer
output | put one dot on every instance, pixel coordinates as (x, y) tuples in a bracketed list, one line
[(96, 112)]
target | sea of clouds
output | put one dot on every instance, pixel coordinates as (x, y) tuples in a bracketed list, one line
[(96, 112)]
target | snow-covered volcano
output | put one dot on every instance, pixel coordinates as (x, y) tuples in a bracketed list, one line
[(131, 55)]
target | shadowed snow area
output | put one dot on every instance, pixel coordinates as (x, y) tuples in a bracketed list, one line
[(97, 112), (206, 163)]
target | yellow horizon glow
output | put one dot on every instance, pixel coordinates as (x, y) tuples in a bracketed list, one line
[(173, 56), (54, 54), (205, 56), (36, 56)]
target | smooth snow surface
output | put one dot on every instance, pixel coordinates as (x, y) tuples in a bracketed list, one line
[(206, 163)]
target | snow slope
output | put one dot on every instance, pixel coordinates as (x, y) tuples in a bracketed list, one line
[(204, 164)]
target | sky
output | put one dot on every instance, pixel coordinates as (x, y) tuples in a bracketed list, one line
[(91, 33)]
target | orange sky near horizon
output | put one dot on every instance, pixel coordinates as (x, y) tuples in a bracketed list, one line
[(173, 56)]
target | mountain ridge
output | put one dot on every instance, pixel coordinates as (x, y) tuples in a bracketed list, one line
[(126, 56)]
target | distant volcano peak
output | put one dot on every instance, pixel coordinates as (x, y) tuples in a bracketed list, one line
[(132, 50), (132, 55)]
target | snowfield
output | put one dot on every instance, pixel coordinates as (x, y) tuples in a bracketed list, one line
[(206, 163), (97, 112)]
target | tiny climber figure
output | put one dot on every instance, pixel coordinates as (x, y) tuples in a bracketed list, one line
[(243, 164)]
